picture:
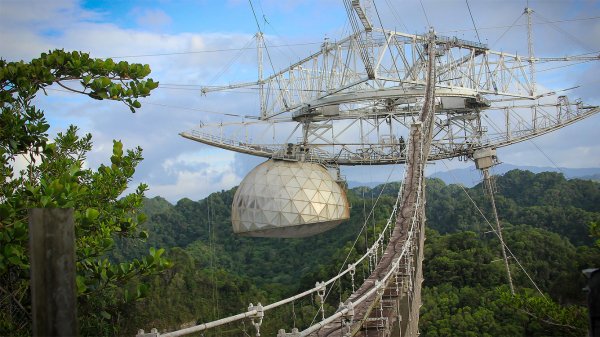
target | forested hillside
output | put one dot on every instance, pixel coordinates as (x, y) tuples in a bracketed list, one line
[(546, 225)]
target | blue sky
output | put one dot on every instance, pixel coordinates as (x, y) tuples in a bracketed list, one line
[(185, 37), (173, 17)]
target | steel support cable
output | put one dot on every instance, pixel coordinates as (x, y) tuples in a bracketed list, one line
[(215, 294), (346, 65), (388, 225), (268, 54), (203, 110), (547, 157), (373, 290), (473, 21), (250, 313), (564, 66), (396, 14), (319, 42), (521, 25), (425, 13), (389, 48), (523, 121), (488, 184), (571, 36), (365, 219), (292, 52), (373, 207), (487, 64), (381, 236), (506, 31), (208, 51), (175, 107), (412, 202), (230, 63), (494, 231)]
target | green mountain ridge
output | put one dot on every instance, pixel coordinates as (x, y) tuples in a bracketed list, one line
[(545, 219)]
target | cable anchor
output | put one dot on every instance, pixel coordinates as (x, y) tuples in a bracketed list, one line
[(321, 293), (257, 318), (352, 270)]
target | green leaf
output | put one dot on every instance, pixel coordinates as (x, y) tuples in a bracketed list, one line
[(159, 253), (45, 200), (142, 290), (74, 170), (127, 296), (117, 148), (15, 260), (143, 234), (91, 214), (58, 179), (5, 211), (105, 314), (105, 82), (80, 282)]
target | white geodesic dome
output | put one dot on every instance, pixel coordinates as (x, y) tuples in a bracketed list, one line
[(288, 199)]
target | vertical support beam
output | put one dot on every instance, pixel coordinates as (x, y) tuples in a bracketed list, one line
[(260, 43), (52, 249), (485, 159), (490, 189), (528, 12)]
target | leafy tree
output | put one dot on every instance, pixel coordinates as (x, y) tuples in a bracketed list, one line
[(553, 319), (595, 233), (465, 278), (55, 177)]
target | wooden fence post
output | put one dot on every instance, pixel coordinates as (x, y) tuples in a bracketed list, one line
[(53, 292)]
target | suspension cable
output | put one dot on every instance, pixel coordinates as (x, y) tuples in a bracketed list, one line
[(494, 231), (366, 221)]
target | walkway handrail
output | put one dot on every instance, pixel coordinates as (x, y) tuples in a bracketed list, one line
[(209, 325)]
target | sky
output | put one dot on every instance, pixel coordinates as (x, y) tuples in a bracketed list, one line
[(193, 43)]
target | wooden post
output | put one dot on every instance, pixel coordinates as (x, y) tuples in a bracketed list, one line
[(52, 249)]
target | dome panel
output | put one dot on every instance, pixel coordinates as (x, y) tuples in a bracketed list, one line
[(288, 199)]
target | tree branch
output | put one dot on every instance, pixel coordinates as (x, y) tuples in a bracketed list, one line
[(551, 322), (71, 89)]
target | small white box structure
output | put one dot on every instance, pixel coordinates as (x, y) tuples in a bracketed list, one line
[(453, 102), (329, 110), (485, 158)]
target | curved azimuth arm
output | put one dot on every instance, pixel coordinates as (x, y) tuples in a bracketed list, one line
[(381, 135)]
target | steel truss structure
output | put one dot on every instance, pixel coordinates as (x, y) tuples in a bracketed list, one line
[(339, 107)]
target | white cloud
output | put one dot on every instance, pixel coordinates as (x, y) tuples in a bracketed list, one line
[(176, 167), (153, 19), (197, 174)]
